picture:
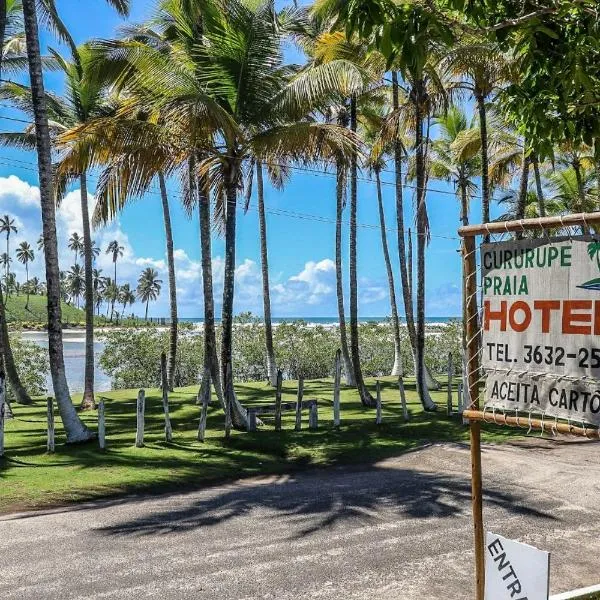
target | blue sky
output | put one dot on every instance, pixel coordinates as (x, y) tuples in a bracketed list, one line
[(301, 247)]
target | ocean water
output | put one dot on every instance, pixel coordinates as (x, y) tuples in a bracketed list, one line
[(74, 348)]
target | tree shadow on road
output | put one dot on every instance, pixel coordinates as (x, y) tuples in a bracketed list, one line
[(310, 503)]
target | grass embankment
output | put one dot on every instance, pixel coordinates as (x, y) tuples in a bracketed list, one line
[(31, 478), (35, 316), (37, 312)]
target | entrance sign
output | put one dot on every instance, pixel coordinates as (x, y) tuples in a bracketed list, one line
[(515, 571), (541, 326)]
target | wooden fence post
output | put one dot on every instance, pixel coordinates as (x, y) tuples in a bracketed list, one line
[(164, 382), (403, 398), (278, 400), (378, 404), (2, 411), (313, 416), (229, 391), (204, 398), (460, 398), (298, 426), (50, 416), (251, 421), (337, 379), (101, 425), (450, 376), (141, 408)]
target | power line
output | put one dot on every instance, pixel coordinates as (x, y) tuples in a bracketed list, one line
[(269, 210), (302, 169)]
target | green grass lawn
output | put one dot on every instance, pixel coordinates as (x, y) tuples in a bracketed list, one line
[(31, 478), (37, 312)]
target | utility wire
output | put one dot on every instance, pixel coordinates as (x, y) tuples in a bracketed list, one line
[(269, 210)]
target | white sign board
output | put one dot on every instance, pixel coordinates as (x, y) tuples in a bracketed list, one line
[(515, 571), (541, 326)]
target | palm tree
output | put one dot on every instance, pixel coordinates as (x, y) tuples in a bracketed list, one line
[(456, 168), (25, 255), (5, 261), (114, 190), (264, 262), (572, 189), (7, 226), (116, 250), (98, 283), (253, 117), (95, 251), (76, 245), (484, 69), (35, 286), (75, 430), (376, 163), (330, 49), (126, 297), (76, 282), (149, 287), (7, 358), (445, 164), (110, 294), (83, 92)]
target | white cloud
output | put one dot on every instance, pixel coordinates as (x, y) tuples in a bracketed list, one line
[(312, 289), (314, 284), (15, 192)]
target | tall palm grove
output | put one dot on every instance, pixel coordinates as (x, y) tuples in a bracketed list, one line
[(499, 100)]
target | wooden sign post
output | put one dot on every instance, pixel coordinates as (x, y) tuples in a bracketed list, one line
[(518, 259)]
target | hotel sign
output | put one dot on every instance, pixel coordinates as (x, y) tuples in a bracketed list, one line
[(541, 326)]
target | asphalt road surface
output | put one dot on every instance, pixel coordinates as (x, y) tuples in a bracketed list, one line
[(399, 529)]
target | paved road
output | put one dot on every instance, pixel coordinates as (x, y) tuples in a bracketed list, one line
[(399, 529)]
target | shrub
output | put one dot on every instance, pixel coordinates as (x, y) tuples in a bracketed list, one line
[(32, 365), (132, 357)]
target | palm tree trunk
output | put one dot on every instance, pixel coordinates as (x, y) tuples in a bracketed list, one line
[(87, 402), (210, 339), (365, 398), (580, 192), (7, 261), (411, 263), (264, 262), (397, 368), (146, 316), (523, 187), (539, 188), (27, 281), (75, 430), (7, 359), (407, 287), (597, 169), (428, 404), (347, 362), (172, 283), (229, 275), (485, 183), (464, 219), (2, 31), (238, 413)]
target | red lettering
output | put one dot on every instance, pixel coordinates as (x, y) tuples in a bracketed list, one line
[(545, 307), (524, 324), (491, 315), (569, 318)]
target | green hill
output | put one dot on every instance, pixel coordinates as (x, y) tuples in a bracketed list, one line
[(37, 314)]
